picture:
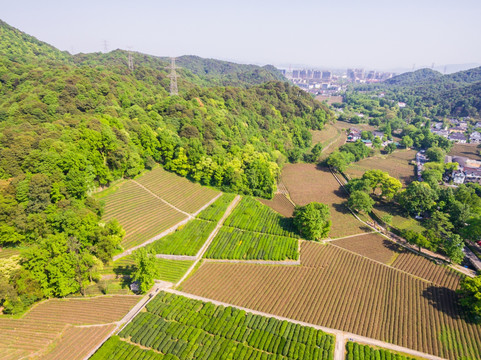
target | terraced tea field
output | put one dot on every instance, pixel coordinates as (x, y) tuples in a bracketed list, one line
[(357, 351), (307, 183), (187, 329), (426, 269), (232, 243), (153, 203), (281, 204), (251, 215), (142, 215), (76, 341), (178, 191), (169, 270), (216, 210), (38, 330), (373, 246), (341, 290), (186, 240)]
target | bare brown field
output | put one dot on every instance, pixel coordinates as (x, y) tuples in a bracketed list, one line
[(178, 191), (344, 291), (307, 183), (373, 246), (76, 342), (141, 214), (329, 99), (343, 125), (467, 150), (36, 331), (280, 204), (325, 135), (396, 164), (426, 269)]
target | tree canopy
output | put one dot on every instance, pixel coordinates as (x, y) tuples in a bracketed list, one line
[(313, 220)]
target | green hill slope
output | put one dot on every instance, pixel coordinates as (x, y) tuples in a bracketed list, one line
[(69, 124)]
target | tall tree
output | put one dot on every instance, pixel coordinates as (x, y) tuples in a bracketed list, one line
[(146, 270), (313, 221)]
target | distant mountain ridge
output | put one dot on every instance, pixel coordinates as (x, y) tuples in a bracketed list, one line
[(456, 94), (20, 47)]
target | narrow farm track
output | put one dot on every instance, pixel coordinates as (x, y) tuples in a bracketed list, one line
[(153, 239), (340, 350), (160, 285), (204, 248), (258, 262)]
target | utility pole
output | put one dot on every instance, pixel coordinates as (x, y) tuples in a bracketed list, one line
[(173, 77)]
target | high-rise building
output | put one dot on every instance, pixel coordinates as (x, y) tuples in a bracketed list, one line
[(303, 74), (351, 75), (326, 75), (317, 75), (295, 74)]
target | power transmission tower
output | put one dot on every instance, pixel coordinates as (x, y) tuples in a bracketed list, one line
[(173, 77), (106, 46), (130, 59)]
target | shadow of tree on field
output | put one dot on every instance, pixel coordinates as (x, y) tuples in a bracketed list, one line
[(124, 269), (341, 208), (341, 193), (287, 224), (446, 301), (392, 246)]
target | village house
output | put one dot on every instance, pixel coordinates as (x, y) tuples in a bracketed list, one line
[(378, 134), (472, 175), (475, 137), (354, 135), (458, 177), (443, 133), (478, 125), (457, 137), (457, 129), (438, 126)]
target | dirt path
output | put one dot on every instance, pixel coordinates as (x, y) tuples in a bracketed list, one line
[(349, 236), (151, 240), (175, 257), (161, 285), (341, 336), (214, 232), (257, 262), (340, 349)]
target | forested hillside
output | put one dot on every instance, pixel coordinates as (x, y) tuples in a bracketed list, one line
[(432, 93), (69, 124)]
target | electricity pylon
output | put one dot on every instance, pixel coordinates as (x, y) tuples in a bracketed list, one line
[(173, 77)]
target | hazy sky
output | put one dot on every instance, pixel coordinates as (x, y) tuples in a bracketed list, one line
[(377, 34)]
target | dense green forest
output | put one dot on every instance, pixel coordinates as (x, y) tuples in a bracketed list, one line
[(69, 124), (429, 93)]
